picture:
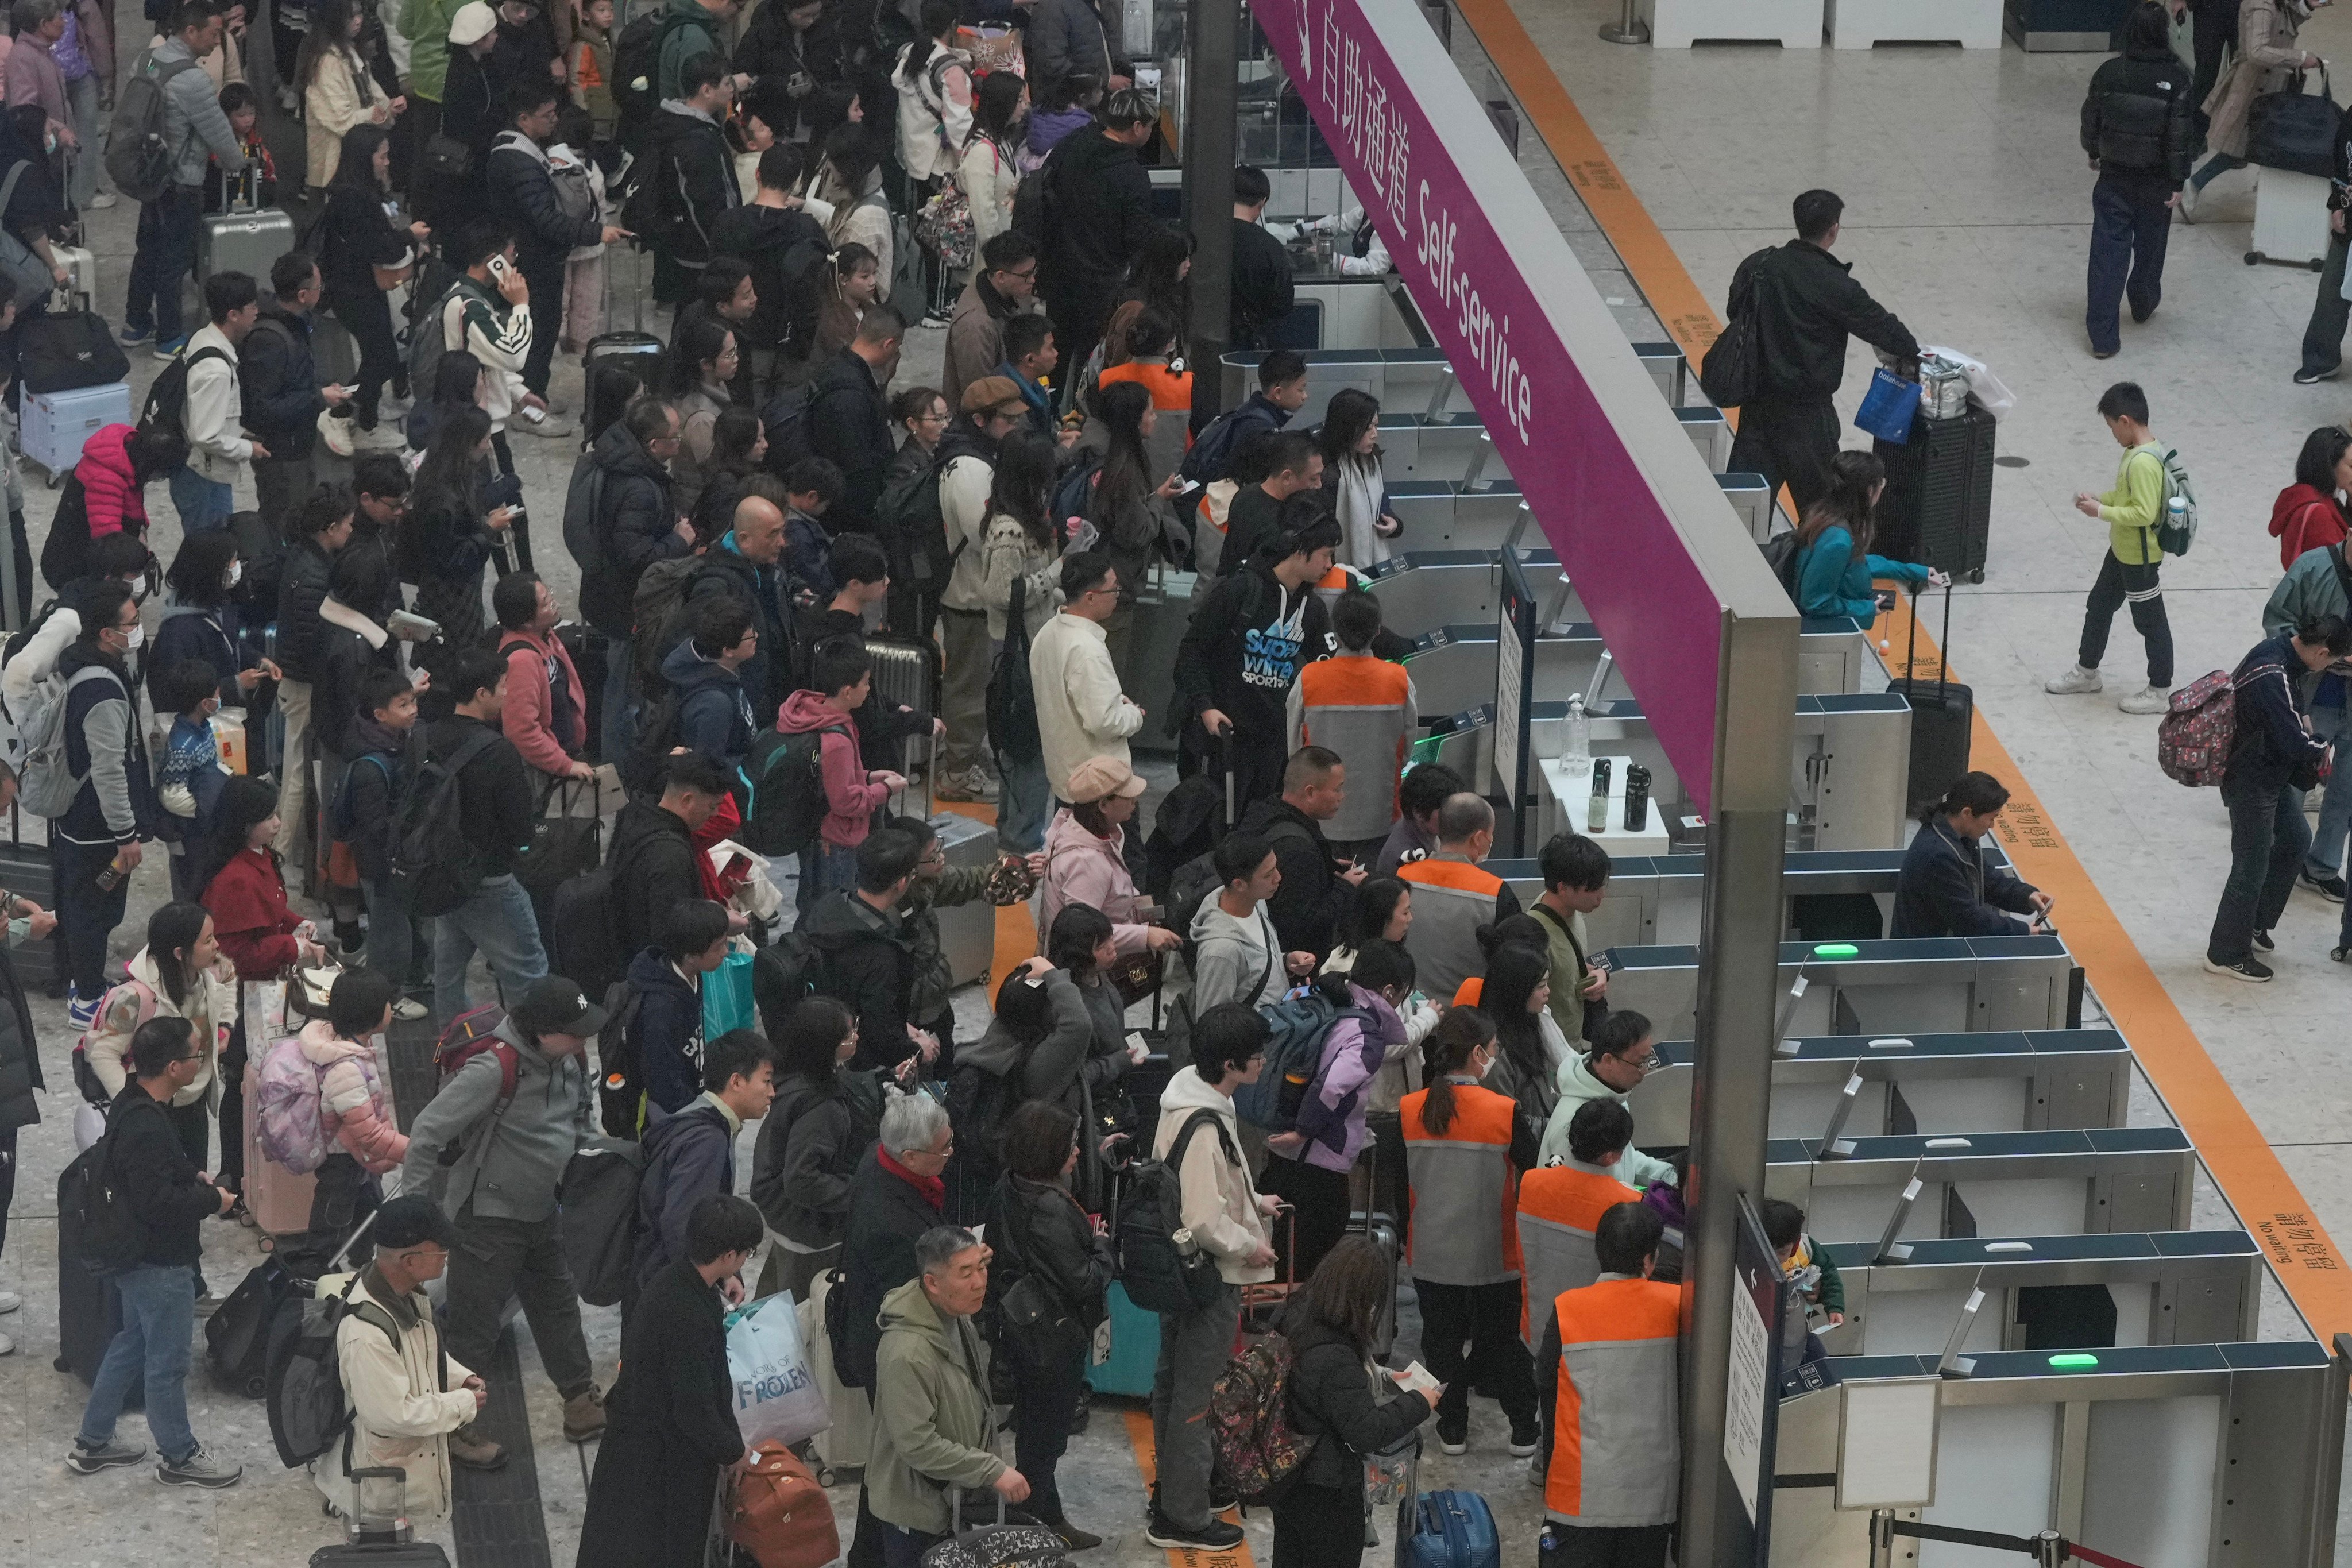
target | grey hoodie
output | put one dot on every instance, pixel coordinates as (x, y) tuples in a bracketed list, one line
[(1578, 1085), (1230, 954), (509, 1165)]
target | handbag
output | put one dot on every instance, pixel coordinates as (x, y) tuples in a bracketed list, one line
[(447, 158), (2292, 131), (1136, 974), (1888, 408), (1732, 370), (561, 847), (727, 1004), (59, 351), (944, 225), (27, 273)]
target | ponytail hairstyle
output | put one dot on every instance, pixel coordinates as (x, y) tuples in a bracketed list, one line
[(1448, 1049), (1382, 965), (1853, 476), (1980, 793)]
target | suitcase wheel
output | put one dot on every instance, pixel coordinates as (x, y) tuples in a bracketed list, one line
[(1976, 575), (254, 1387), (824, 1477)]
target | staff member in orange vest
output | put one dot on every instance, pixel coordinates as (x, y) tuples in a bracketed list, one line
[(1453, 896), (1464, 1148), (1560, 1208), (1612, 1445), (1362, 707)]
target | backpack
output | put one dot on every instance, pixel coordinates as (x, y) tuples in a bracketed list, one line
[(790, 423), (1250, 1430), (1073, 492), (575, 194), (428, 340), (431, 856), (620, 1072), (107, 1233), (2176, 539), (341, 811), (912, 528), (138, 159), (636, 60), (600, 1218), (583, 515), (166, 407), (1012, 697), (1144, 1256), (302, 1388), (1032, 204), (1294, 1059), (657, 615), (587, 939), (1731, 371), (785, 973), (785, 773), (85, 1075), (46, 785), (2193, 739), (980, 1102), (287, 1109), (657, 733), (1782, 555)]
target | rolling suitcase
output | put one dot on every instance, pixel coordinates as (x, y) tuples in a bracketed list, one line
[(82, 263), (54, 425), (24, 871), (589, 649), (1446, 1529), (244, 238), (89, 1310), (637, 351), (380, 1536), (1942, 713), (1938, 504), (906, 671), (278, 1199), (840, 1449)]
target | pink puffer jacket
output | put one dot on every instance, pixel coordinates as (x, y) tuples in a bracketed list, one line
[(353, 1107)]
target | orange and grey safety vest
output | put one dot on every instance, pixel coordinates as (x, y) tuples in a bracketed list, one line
[(1616, 1447), (1361, 708), (1560, 1208), (1464, 1188), (1451, 900)]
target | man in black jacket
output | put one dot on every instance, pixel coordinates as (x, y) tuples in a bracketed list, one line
[(692, 180), (522, 189), (869, 965), (785, 248), (849, 416), (1242, 654), (1263, 290), (114, 807), (692, 1153), (637, 525), (1806, 305), (169, 1197), (2138, 134), (277, 380), (744, 563), (320, 528), (883, 728), (495, 811), (652, 858), (1098, 213), (1314, 892)]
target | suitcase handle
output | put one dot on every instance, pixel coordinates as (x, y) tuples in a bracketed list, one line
[(956, 1496)]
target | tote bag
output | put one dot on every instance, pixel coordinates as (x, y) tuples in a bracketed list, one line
[(1888, 408), (726, 996)]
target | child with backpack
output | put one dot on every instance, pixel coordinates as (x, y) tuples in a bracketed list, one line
[(189, 780), (1811, 1277), (363, 815), (2133, 512), (661, 1008), (346, 1117), (841, 674), (809, 490)]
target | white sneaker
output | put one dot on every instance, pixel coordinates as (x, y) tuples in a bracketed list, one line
[(103, 200), (2191, 193), (2149, 699), (408, 1009), (385, 437), (9, 1302), (7, 1345), (2077, 681), (336, 433)]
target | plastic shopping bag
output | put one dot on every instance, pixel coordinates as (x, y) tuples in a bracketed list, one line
[(1888, 408), (777, 1397), (1986, 389), (726, 996)]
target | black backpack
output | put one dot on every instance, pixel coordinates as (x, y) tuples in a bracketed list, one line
[(166, 407), (785, 973), (1012, 698), (649, 753), (583, 519), (790, 426), (636, 61), (1159, 1277), (909, 520), (584, 924), (108, 1234), (302, 1388), (432, 858), (1782, 555), (785, 776), (620, 1063)]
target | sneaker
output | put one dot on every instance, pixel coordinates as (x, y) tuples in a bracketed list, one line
[(538, 422), (9, 1302), (468, 1448), (2076, 682), (1214, 1536), (974, 786), (7, 1345), (168, 349), (1074, 1538), (84, 1461), (384, 437), (81, 1016), (1453, 1438), (1525, 1440), (2328, 885), (2105, 354), (2312, 378), (584, 1414), (339, 434), (408, 1009), (1222, 1498), (2191, 192), (134, 334), (103, 200), (2251, 970), (2139, 317), (1536, 1476), (198, 1469), (2263, 942), (2149, 699)]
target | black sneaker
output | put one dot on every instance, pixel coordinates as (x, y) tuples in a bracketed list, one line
[(2329, 886), (2263, 942), (1222, 1498), (1214, 1536), (1525, 1440), (1453, 1437), (2306, 377), (2248, 969)]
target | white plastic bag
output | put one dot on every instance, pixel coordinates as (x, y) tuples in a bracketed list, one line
[(89, 1125), (777, 1397), (1986, 389)]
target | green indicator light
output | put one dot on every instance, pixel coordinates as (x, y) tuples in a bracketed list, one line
[(2076, 1360), (1836, 950)]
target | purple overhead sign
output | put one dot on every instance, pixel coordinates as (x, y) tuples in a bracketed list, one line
[(1493, 278)]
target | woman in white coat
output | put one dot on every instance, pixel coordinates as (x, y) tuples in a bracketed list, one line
[(337, 91), (990, 172)]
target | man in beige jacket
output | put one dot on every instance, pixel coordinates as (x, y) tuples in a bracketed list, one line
[(407, 1398), (1081, 710)]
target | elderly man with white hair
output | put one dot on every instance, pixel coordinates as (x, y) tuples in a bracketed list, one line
[(934, 1427)]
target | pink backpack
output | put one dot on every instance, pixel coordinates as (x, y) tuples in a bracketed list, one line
[(2193, 739), (286, 1109), (85, 1075)]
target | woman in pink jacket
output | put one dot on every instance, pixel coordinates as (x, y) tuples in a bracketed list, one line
[(841, 675), (545, 715), (355, 1112), (107, 493), (1086, 861)]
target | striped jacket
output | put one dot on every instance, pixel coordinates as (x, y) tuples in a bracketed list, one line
[(1452, 897), (1606, 1381), (1560, 1208), (1363, 709), (1464, 1185)]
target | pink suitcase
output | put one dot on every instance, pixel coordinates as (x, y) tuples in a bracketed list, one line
[(278, 1200)]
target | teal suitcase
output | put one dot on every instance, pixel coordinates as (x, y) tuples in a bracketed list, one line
[(1134, 1350)]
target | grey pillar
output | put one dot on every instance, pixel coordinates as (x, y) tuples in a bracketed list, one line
[(1215, 29), (1739, 939)]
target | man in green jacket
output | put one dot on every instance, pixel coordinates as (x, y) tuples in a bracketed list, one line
[(692, 27), (934, 1427), (2320, 583), (1575, 876), (2129, 575)]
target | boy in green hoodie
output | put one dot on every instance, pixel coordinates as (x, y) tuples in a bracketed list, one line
[(2131, 511)]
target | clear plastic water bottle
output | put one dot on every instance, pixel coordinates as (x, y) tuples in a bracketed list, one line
[(1579, 733), (2176, 519)]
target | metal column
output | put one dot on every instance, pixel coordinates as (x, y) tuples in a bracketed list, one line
[(1212, 80), (1739, 943)]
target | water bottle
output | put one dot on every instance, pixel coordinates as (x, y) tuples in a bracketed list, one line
[(1637, 798), (1579, 733), (1596, 813), (2175, 516)]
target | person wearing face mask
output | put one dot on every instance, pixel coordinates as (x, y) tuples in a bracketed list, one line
[(1623, 1051), (101, 832), (200, 620), (1945, 889), (104, 495)]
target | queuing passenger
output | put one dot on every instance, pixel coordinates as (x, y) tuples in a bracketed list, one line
[(1530, 1051), (1237, 956), (1453, 896), (1083, 710), (1294, 464), (1130, 507), (449, 535), (2140, 130), (2132, 511), (706, 360), (841, 673), (109, 483), (742, 566), (715, 717), (664, 985), (113, 808), (1100, 200), (1575, 877), (1806, 305), (495, 811), (1003, 287), (895, 1197), (1018, 545), (1029, 359), (849, 415), (356, 1124), (522, 182), (869, 962), (637, 523), (2309, 513), (692, 173), (1244, 650), (379, 762), (1314, 889), (765, 233), (1945, 889), (188, 780), (197, 132), (1072, 40), (816, 1131), (544, 713), (965, 466), (862, 575), (1560, 1208), (1836, 570), (1350, 442), (277, 387), (811, 489), (1281, 393), (1263, 288), (1624, 1050), (989, 172), (690, 1153), (1085, 856), (652, 854), (1423, 791)]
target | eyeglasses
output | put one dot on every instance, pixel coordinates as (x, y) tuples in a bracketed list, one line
[(1022, 273)]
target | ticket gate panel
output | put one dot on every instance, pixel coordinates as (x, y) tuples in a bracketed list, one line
[(2148, 1494), (1958, 1105), (1426, 588), (2006, 1482), (1454, 669)]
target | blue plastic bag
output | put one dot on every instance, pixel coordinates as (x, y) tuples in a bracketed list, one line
[(1888, 408), (726, 997)]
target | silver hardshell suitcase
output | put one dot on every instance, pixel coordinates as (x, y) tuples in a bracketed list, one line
[(243, 240), (967, 932)]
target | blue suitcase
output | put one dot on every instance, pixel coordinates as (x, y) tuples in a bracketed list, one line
[(1134, 1350), (1448, 1530)]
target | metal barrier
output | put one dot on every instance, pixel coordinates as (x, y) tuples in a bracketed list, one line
[(1414, 379), (1984, 1185)]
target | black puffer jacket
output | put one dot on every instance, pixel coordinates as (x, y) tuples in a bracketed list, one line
[(652, 863), (1037, 1227), (523, 192), (886, 1217), (278, 381), (693, 181), (1331, 1399), (638, 525), (849, 422), (2137, 117), (809, 1147), (301, 633), (20, 1063), (870, 970), (1808, 304)]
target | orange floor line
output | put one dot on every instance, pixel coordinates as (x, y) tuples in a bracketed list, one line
[(2244, 1164), (1147, 1461), (1017, 924)]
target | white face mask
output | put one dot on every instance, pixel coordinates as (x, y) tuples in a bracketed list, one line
[(1487, 1067), (135, 639), (235, 572)]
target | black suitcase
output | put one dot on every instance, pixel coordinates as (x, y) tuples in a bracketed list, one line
[(24, 871), (1942, 713), (637, 352), (383, 1530), (88, 1310), (589, 649), (1938, 505)]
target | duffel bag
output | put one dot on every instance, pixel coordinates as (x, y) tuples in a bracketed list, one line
[(2292, 131), (61, 351)]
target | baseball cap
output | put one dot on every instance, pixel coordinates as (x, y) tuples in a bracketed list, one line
[(1099, 778), (474, 22), (991, 391), (554, 1006), (412, 1219)]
